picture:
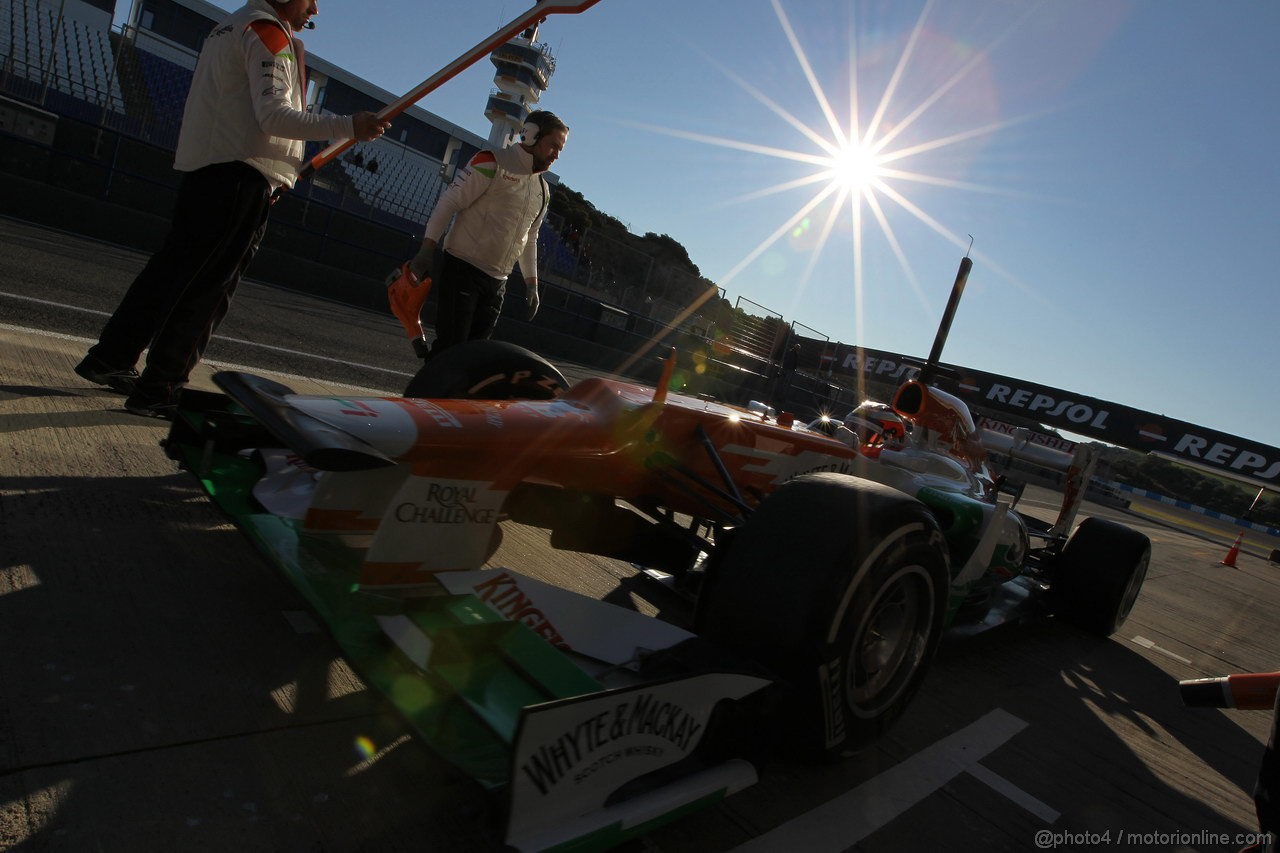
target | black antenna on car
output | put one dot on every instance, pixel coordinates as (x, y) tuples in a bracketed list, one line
[(931, 368)]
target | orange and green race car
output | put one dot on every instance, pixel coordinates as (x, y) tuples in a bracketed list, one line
[(824, 572)]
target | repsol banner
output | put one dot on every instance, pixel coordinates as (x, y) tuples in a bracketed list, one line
[(1105, 421)]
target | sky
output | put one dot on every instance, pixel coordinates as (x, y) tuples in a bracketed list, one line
[(1113, 161)]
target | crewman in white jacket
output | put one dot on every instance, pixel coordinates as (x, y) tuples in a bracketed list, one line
[(496, 204), (241, 140)]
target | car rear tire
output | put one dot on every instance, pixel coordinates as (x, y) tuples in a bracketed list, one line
[(838, 586), (487, 370), (1099, 575)]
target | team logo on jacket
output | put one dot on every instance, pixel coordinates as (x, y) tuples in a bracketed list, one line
[(484, 163), (273, 38)]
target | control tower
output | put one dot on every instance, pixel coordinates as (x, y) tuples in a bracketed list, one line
[(524, 71)]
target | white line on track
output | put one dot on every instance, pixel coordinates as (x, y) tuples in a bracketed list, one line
[(1001, 785), (1147, 644), (216, 337), (840, 823), (224, 365)]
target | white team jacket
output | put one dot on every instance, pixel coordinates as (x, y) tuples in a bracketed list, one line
[(246, 100), (500, 203)]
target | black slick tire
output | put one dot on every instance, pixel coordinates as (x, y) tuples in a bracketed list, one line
[(1098, 575), (486, 370), (839, 587)]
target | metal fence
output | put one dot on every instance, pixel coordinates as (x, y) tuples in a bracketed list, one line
[(821, 361), (757, 330)]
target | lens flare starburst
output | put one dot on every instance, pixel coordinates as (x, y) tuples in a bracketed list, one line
[(855, 169), (861, 171)]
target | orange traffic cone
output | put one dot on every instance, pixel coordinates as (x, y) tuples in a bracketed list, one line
[(1230, 560)]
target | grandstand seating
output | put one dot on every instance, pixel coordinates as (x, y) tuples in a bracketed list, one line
[(398, 187), (69, 67), (67, 56), (554, 256), (166, 87)]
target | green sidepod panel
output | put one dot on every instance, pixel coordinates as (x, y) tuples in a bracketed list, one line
[(962, 518)]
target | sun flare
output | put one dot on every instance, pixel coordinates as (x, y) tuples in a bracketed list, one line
[(857, 168), (862, 172)]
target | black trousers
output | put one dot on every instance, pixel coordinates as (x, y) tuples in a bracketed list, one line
[(469, 303), (182, 294)]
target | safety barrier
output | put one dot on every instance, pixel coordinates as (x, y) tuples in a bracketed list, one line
[(1190, 507)]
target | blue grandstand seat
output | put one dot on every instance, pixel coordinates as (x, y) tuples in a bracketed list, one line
[(76, 62), (167, 84)]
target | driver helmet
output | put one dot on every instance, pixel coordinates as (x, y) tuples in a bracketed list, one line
[(875, 421)]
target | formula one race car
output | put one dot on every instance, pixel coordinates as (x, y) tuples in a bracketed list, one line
[(824, 573)]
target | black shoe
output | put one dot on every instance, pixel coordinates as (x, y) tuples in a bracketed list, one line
[(100, 373), (161, 409)]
